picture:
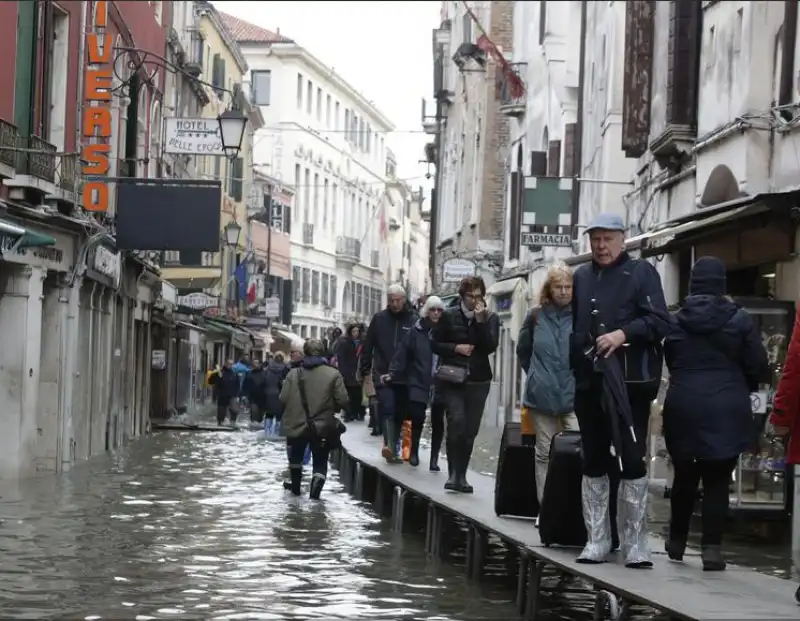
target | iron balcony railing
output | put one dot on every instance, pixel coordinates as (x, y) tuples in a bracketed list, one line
[(9, 141), (38, 160), (506, 98), (348, 247), (66, 171), (308, 233)]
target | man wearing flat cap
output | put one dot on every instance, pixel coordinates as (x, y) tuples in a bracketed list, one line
[(620, 318)]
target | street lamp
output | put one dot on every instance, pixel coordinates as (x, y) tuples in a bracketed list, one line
[(232, 231), (231, 131)]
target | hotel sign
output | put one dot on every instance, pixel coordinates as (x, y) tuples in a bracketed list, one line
[(96, 120)]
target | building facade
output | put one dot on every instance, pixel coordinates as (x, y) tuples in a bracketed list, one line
[(76, 312), (327, 141), (406, 247), (471, 137)]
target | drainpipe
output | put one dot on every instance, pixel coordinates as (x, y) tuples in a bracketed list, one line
[(786, 86), (434, 219), (578, 159), (79, 108)]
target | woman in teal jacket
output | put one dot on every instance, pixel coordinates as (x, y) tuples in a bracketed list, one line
[(543, 351)]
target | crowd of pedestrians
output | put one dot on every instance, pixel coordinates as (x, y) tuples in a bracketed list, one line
[(593, 351)]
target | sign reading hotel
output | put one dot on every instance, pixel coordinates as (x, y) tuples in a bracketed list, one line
[(96, 120)]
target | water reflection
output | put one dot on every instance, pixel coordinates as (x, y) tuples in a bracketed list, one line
[(194, 526)]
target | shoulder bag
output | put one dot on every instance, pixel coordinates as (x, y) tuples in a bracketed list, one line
[(327, 430)]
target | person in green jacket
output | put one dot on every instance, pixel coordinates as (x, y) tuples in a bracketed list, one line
[(312, 393)]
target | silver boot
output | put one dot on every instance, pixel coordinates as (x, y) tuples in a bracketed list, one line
[(632, 521), (595, 493)]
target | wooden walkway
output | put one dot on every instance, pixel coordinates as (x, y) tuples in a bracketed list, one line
[(168, 425), (682, 590)]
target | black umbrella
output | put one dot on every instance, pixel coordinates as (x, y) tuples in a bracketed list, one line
[(614, 398)]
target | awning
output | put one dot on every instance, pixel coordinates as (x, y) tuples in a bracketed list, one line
[(194, 277), (654, 241), (24, 238), (238, 337), (294, 340), (190, 326), (504, 287)]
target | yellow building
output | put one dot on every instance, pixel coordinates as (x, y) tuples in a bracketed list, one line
[(224, 67)]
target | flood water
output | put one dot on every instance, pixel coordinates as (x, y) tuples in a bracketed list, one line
[(197, 525)]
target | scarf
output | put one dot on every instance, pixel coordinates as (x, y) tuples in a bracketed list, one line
[(470, 315)]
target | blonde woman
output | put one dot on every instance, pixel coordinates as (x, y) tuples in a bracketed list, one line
[(543, 351)]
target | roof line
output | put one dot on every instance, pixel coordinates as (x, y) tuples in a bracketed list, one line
[(283, 50)]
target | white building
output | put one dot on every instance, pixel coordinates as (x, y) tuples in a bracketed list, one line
[(406, 245), (328, 141)]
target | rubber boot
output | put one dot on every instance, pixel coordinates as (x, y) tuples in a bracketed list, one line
[(416, 434), (712, 558), (465, 456), (452, 462), (295, 479), (405, 438), (389, 450), (675, 546), (595, 495), (317, 483), (632, 519), (436, 445)]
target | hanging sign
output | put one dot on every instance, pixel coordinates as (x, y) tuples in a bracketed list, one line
[(96, 120), (454, 270)]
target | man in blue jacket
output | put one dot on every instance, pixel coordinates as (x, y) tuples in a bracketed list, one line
[(386, 332), (618, 309)]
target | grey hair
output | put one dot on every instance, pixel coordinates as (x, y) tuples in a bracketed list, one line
[(313, 347), (395, 289), (433, 302)]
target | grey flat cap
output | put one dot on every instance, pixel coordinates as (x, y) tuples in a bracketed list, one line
[(606, 222)]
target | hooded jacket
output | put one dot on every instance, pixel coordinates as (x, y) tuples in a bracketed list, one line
[(715, 358), (385, 334), (325, 393)]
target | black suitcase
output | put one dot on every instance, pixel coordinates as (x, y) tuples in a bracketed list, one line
[(515, 484), (561, 516)]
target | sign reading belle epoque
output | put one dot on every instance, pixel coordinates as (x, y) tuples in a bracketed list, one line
[(97, 111)]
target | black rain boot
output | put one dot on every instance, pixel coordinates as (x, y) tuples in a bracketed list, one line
[(317, 483), (463, 466), (436, 445), (416, 434), (295, 479), (452, 467), (712, 558), (675, 546)]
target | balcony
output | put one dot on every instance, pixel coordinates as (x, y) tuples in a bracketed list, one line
[(510, 105), (348, 250), (9, 141), (41, 175), (308, 234), (181, 272)]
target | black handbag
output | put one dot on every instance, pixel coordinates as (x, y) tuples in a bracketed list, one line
[(451, 374), (327, 430)]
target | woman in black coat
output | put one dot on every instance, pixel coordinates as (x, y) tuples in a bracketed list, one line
[(347, 351), (415, 361), (715, 357)]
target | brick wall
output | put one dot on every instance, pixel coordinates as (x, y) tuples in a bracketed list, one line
[(496, 131)]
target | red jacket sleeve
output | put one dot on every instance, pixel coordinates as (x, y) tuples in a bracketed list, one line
[(787, 397)]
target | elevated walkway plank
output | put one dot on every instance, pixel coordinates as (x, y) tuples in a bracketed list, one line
[(680, 589)]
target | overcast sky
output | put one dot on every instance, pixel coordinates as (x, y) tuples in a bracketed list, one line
[(383, 49)]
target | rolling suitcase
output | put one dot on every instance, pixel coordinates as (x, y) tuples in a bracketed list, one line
[(515, 484), (561, 515)]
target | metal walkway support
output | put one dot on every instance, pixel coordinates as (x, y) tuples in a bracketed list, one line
[(477, 547), (358, 483), (533, 589), (606, 605), (398, 508), (433, 532)]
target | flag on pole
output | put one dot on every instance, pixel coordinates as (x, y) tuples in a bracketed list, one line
[(383, 227), (251, 292), (515, 84)]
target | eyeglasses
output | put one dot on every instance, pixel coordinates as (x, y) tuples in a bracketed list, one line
[(436, 310)]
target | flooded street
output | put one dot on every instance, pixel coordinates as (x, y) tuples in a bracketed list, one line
[(197, 525)]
